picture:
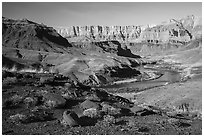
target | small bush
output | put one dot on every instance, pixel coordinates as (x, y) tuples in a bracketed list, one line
[(14, 101), (10, 80), (17, 117)]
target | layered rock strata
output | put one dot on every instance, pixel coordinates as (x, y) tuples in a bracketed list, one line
[(172, 31), (102, 33)]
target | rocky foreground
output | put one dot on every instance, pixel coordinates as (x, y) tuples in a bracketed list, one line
[(48, 104)]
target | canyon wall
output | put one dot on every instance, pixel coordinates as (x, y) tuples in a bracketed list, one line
[(25, 34), (102, 33), (172, 31)]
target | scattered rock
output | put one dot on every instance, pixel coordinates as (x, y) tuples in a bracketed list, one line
[(143, 129), (108, 109), (17, 117), (108, 119)]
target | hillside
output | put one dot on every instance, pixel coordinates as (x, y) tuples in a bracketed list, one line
[(25, 34)]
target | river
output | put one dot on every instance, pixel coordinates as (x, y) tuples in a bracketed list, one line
[(167, 76)]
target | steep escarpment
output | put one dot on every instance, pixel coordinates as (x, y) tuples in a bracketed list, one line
[(175, 31), (25, 34), (172, 31), (100, 33)]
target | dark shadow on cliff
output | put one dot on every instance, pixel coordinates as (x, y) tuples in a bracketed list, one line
[(124, 52)]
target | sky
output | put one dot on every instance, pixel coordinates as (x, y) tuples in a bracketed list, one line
[(62, 14)]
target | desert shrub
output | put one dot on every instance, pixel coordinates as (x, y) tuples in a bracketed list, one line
[(38, 114), (14, 101), (10, 80), (6, 74), (50, 103), (17, 118), (30, 102)]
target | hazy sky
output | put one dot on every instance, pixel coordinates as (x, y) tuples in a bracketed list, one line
[(68, 14)]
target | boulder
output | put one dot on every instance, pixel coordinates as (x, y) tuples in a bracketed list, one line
[(89, 104), (137, 109), (92, 113), (69, 119)]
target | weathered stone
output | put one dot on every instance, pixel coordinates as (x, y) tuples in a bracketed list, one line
[(110, 109), (53, 100), (92, 97), (137, 109), (92, 113), (69, 119), (89, 104)]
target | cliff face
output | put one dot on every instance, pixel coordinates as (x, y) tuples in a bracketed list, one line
[(173, 31), (102, 33), (25, 34)]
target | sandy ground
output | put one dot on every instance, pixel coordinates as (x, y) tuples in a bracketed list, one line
[(181, 97)]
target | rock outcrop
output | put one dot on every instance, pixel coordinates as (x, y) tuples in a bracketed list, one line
[(175, 31), (25, 34), (172, 31), (101, 33)]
